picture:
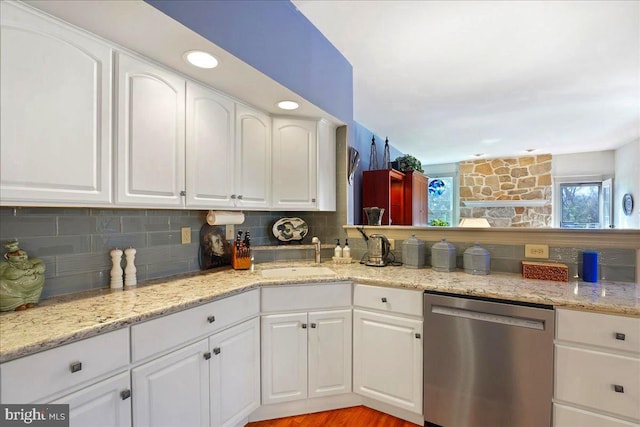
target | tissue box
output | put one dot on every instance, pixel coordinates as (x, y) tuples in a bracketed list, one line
[(545, 271)]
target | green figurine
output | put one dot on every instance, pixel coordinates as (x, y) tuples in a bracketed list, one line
[(21, 279)]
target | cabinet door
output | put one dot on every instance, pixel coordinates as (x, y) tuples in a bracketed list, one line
[(329, 352), (151, 135), (173, 390), (209, 152), (294, 163), (253, 158), (387, 359), (284, 357), (106, 403), (55, 117), (235, 373), (416, 198)]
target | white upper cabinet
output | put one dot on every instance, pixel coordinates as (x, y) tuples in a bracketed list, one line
[(304, 164), (55, 116), (294, 164), (253, 158), (210, 148), (151, 135)]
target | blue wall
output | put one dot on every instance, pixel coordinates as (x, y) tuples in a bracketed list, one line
[(275, 38), (361, 141)]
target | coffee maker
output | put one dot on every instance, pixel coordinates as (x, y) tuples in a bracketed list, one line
[(378, 250)]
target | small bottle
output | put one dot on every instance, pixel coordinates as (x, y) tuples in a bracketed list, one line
[(337, 252), (346, 251)]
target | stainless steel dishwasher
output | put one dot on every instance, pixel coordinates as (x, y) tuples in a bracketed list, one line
[(487, 363)]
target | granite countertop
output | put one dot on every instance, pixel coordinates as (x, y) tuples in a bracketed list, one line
[(62, 320)]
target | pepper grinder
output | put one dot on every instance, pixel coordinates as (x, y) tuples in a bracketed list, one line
[(116, 270), (130, 269)]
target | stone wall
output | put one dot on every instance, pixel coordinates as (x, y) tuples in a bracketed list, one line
[(507, 179)]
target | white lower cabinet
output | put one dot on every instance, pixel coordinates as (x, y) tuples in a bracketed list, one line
[(235, 373), (107, 403), (597, 370), (174, 389), (305, 355), (387, 359), (213, 382)]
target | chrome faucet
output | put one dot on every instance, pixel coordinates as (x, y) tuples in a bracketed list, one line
[(316, 243)]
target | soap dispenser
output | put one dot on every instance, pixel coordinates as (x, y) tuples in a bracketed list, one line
[(337, 252), (346, 251)]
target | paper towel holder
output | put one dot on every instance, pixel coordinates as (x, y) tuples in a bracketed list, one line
[(224, 217)]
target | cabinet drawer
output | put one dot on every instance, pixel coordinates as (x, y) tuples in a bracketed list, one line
[(167, 332), (589, 378), (566, 416), (306, 297), (388, 299), (606, 330), (31, 378)]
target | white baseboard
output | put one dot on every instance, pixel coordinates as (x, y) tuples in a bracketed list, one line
[(309, 406), (305, 406), (403, 414)]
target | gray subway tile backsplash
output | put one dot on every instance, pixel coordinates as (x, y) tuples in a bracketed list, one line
[(75, 243)]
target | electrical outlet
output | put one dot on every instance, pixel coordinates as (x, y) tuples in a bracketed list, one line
[(536, 251), (392, 244), (229, 231), (186, 235)]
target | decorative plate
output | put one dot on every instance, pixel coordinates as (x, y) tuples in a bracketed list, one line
[(627, 204), (288, 229)]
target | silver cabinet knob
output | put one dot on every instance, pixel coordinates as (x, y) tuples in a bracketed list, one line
[(125, 394), (240, 197), (418, 336), (620, 336), (304, 326), (384, 299), (313, 325), (618, 388), (216, 350), (75, 367), (207, 355), (233, 196), (211, 319)]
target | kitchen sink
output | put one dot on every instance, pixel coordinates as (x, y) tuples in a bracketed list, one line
[(297, 271)]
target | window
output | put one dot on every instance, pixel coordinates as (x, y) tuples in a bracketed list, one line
[(441, 197), (580, 205)]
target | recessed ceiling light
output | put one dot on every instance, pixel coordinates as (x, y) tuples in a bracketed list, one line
[(200, 59), (288, 105)]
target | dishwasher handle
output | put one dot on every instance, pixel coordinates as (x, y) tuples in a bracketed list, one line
[(489, 317)]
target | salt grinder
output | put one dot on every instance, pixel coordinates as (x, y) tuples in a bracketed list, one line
[(130, 270), (116, 270)]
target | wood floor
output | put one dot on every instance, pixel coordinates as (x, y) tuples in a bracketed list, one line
[(349, 417)]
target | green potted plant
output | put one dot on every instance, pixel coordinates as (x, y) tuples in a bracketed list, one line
[(408, 163)]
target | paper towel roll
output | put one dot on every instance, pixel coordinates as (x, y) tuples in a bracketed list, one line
[(224, 217)]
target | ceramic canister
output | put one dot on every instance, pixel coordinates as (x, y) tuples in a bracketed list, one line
[(476, 260), (443, 256), (413, 252)]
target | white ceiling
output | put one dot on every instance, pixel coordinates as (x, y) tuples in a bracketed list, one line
[(445, 80)]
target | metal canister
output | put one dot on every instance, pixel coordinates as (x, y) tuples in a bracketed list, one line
[(413, 252), (443, 256), (476, 260)]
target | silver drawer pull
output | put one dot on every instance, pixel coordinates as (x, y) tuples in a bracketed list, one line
[(207, 355), (216, 350), (125, 394), (418, 336), (620, 336), (618, 388), (313, 325), (384, 299), (304, 326), (211, 319), (75, 367)]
